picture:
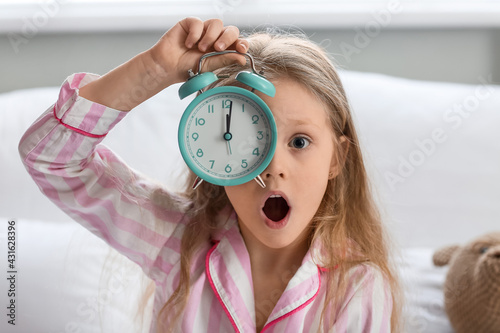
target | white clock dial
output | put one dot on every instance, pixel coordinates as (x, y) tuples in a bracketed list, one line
[(227, 136)]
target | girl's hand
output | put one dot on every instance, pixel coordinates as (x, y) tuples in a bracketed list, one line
[(166, 63), (182, 46)]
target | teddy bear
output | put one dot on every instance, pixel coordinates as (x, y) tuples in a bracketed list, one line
[(472, 285)]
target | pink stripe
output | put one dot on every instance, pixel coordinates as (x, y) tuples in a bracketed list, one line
[(143, 232), (328, 324), (98, 224), (386, 314), (294, 323), (123, 223), (241, 252), (342, 321), (77, 80), (176, 279), (288, 314), (120, 116), (189, 318), (215, 317), (77, 129), (67, 90), (31, 158), (65, 154), (32, 130), (231, 288), (342, 312), (92, 118), (367, 302), (158, 212), (210, 280), (65, 94), (309, 317)]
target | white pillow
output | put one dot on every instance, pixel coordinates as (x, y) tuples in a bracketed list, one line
[(62, 286), (435, 168), (19, 195)]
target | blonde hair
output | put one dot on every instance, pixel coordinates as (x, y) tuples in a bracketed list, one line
[(347, 223)]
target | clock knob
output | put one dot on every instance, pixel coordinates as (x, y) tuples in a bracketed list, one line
[(197, 83), (257, 82)]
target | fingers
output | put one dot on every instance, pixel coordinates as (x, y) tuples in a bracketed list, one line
[(214, 29), (229, 39), (242, 45), (194, 28), (212, 35)]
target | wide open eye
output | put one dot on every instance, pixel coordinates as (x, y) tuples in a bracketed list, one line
[(299, 142)]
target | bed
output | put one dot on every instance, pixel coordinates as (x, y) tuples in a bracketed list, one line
[(431, 150)]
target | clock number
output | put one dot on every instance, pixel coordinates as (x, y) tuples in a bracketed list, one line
[(195, 136), (256, 152), (255, 119), (200, 121), (210, 108), (242, 107), (226, 103), (212, 161), (244, 164), (260, 136), (228, 169), (199, 153)]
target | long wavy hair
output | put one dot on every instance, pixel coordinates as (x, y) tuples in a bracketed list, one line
[(347, 223)]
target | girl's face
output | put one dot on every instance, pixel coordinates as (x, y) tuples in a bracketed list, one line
[(280, 214)]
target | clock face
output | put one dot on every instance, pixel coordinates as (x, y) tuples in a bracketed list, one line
[(227, 136)]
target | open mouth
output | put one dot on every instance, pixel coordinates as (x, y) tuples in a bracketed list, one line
[(276, 208)]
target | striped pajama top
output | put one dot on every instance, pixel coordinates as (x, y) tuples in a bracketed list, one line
[(62, 152)]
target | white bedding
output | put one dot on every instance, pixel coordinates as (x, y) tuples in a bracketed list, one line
[(423, 286), (61, 286)]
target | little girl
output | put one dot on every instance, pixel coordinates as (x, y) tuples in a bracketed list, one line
[(305, 254)]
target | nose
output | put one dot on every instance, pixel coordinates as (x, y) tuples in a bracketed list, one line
[(277, 167)]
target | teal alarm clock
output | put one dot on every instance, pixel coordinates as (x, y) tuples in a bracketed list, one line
[(227, 135)]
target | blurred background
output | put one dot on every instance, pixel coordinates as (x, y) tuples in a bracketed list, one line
[(43, 41)]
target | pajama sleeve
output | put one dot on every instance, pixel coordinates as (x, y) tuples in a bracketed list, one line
[(62, 152)]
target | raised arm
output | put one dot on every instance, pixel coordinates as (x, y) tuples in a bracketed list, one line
[(63, 154), (166, 63)]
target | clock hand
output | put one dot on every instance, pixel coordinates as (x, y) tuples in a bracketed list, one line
[(228, 136)]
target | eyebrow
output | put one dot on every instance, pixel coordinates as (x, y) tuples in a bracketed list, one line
[(301, 122)]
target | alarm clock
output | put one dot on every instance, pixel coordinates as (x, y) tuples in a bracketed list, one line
[(227, 135)]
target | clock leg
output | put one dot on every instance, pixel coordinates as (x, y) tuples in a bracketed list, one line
[(197, 182), (259, 181)]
